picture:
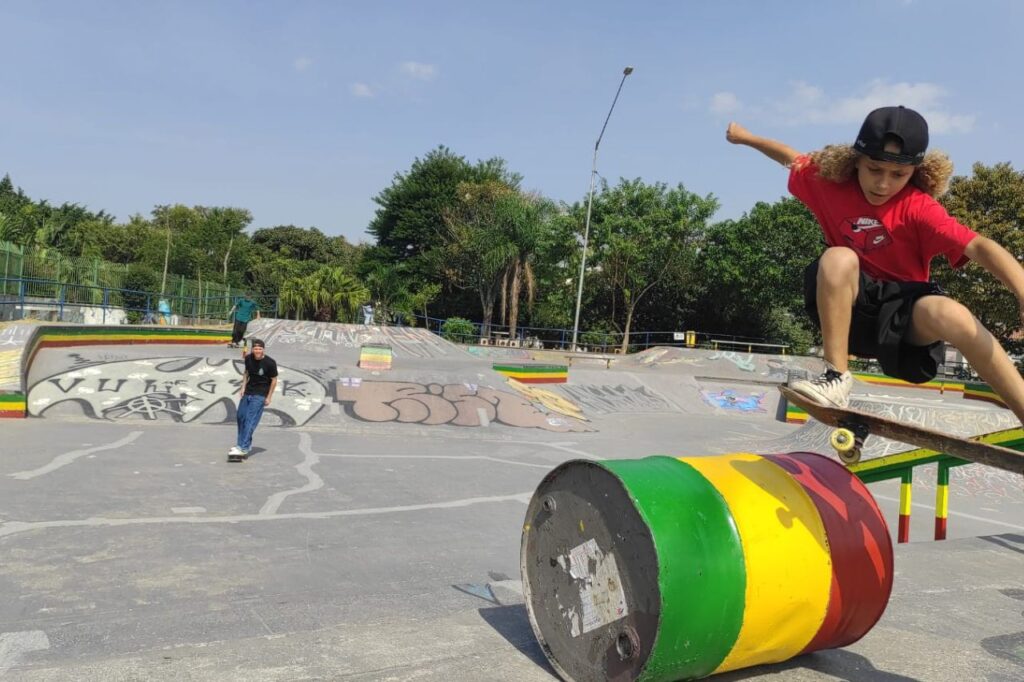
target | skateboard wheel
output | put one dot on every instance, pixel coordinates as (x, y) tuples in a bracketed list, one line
[(850, 456), (843, 440)]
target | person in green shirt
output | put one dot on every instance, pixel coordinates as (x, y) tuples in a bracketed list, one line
[(244, 311)]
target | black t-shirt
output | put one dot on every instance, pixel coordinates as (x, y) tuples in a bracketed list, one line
[(260, 373)]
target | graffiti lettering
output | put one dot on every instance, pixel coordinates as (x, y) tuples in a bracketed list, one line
[(613, 399), (454, 404), (746, 364), (293, 388), (182, 389), (322, 337), (117, 389), (58, 384)]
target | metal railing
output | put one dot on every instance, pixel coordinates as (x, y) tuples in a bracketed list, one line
[(51, 300)]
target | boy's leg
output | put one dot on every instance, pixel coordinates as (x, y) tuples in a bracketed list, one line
[(241, 417), (938, 318), (252, 419), (834, 282), (838, 281)]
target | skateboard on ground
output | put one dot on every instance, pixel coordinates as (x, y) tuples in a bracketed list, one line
[(854, 426), (237, 458)]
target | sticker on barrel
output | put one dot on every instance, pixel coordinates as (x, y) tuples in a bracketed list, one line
[(602, 600)]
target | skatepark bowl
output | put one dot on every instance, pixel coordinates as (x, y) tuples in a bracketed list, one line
[(385, 526)]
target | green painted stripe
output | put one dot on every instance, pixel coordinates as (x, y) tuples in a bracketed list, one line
[(531, 369), (701, 570)]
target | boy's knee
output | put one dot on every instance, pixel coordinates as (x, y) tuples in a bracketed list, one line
[(945, 317), (838, 264)]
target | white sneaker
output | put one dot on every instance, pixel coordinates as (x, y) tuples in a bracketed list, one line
[(235, 450), (831, 388)]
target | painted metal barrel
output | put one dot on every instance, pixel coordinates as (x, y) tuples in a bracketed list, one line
[(674, 569)]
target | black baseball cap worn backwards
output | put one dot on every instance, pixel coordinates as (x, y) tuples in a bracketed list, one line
[(908, 126)]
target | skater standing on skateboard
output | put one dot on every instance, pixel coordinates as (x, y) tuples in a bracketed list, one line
[(870, 291), (258, 384), (244, 310)]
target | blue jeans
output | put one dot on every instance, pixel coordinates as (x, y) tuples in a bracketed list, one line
[(250, 410)]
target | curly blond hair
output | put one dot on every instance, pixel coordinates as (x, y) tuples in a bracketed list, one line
[(838, 163)]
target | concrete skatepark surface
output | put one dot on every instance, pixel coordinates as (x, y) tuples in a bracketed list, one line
[(374, 533)]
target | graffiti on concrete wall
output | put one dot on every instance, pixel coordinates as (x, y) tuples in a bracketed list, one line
[(744, 363), (179, 389), (604, 399), (323, 337), (15, 334), (499, 352), (454, 404), (730, 399)]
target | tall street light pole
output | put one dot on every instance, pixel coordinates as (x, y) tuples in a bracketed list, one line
[(590, 202)]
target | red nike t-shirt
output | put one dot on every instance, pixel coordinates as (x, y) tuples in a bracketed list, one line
[(895, 241)]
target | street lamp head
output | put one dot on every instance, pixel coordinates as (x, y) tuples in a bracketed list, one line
[(628, 70)]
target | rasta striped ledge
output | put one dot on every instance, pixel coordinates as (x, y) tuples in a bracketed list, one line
[(934, 385), (663, 569), (983, 392), (13, 404), (533, 374), (375, 356)]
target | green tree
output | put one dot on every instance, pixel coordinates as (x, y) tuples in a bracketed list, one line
[(642, 234), (752, 272), (990, 201), (328, 295), (523, 220), (409, 225), (478, 252)]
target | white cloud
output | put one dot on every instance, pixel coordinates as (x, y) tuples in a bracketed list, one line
[(422, 72), (361, 90), (725, 103), (809, 104), (302, 63)]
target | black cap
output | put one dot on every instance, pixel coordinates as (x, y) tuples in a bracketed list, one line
[(257, 342), (908, 126)]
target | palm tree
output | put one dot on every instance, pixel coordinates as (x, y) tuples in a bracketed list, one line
[(335, 294), (386, 284), (293, 297), (523, 221)]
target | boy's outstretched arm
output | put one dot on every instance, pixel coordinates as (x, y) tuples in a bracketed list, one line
[(1001, 263), (773, 149)]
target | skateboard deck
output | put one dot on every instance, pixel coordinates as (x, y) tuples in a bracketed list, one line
[(861, 424), (237, 458)]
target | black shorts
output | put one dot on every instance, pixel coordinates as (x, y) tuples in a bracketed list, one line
[(881, 320)]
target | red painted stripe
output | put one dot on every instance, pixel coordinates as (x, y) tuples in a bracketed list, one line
[(539, 380), (903, 534), (859, 544), (940, 528)]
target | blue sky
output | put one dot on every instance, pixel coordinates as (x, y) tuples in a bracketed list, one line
[(303, 111)]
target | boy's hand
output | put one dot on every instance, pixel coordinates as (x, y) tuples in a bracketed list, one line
[(736, 133)]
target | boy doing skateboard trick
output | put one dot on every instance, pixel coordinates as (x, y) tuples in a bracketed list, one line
[(870, 291), (258, 384)]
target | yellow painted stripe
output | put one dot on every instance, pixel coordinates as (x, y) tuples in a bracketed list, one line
[(905, 494), (51, 338), (789, 569), (942, 502)]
